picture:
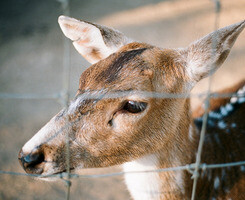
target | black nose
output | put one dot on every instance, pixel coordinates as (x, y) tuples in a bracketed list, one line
[(32, 162)]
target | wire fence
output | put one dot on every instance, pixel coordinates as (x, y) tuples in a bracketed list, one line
[(63, 98)]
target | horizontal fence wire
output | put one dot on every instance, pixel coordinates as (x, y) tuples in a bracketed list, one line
[(110, 95), (63, 98), (188, 167), (31, 96), (66, 177)]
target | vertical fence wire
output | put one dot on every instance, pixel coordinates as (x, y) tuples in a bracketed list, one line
[(195, 175), (65, 93)]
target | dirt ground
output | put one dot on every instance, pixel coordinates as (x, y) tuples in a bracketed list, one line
[(31, 56)]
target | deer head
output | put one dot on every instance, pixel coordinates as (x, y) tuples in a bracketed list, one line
[(107, 131)]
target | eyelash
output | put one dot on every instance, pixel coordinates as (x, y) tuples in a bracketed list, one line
[(134, 106)]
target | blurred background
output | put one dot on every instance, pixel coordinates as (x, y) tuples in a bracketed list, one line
[(31, 62)]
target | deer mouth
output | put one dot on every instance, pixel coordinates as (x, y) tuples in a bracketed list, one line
[(55, 175), (64, 171)]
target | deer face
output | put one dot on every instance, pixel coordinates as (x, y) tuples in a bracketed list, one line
[(102, 128), (106, 131)]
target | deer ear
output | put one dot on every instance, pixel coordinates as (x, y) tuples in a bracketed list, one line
[(94, 42), (204, 56)]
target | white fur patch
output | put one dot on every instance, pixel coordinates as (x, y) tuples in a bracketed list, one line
[(143, 186), (74, 105), (216, 183), (222, 124), (240, 99), (179, 181), (233, 99), (197, 68), (242, 168), (190, 134), (41, 136)]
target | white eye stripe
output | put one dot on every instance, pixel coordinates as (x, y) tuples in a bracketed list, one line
[(74, 105), (86, 96)]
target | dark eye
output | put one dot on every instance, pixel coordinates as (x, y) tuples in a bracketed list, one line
[(134, 106)]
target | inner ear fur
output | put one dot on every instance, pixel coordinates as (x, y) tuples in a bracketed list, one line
[(94, 42), (206, 55)]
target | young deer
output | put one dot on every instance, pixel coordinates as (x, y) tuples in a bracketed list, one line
[(142, 132)]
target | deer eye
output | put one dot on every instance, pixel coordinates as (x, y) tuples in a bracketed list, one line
[(134, 106)]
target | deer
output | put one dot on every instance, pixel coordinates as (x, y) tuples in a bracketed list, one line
[(143, 132)]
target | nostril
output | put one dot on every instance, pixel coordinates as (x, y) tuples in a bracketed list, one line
[(31, 161)]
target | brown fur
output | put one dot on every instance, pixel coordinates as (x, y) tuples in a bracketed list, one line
[(101, 133)]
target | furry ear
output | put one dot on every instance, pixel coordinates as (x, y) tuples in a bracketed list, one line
[(204, 56), (94, 42)]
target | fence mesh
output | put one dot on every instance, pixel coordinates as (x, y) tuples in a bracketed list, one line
[(63, 99)]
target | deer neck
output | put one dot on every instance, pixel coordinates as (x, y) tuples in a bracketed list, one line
[(164, 185)]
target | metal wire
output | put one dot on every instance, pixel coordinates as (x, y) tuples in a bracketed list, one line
[(188, 167), (63, 97), (66, 85), (195, 175), (30, 96), (97, 95)]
